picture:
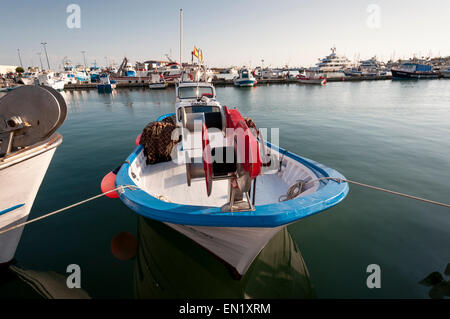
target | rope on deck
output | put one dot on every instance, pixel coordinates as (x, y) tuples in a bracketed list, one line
[(132, 187), (295, 190)]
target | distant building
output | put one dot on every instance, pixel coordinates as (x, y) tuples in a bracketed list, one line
[(7, 68)]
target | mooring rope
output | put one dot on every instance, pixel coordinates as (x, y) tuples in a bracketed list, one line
[(292, 191), (132, 187)]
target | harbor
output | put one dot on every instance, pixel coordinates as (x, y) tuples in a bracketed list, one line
[(208, 174), (363, 214)]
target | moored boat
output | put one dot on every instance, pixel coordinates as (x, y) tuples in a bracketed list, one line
[(244, 78), (106, 85), (252, 189), (414, 71), (51, 80), (28, 140), (312, 78), (446, 73), (157, 81), (29, 78)]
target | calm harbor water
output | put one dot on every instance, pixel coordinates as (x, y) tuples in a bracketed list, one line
[(393, 134)]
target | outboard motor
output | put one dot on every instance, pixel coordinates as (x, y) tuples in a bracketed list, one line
[(28, 115)]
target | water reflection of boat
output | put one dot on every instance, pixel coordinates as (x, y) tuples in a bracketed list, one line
[(16, 282), (169, 265)]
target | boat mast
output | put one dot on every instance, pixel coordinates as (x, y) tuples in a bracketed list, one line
[(181, 37)]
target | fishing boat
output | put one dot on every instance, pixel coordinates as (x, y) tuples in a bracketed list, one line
[(29, 78), (30, 116), (446, 73), (268, 73), (412, 70), (224, 187), (311, 78), (51, 80), (157, 81), (244, 78), (127, 74), (106, 85)]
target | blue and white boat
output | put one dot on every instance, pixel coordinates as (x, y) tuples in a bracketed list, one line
[(412, 70), (106, 85), (244, 78), (253, 188)]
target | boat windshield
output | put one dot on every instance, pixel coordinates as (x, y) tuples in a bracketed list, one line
[(201, 109), (194, 92)]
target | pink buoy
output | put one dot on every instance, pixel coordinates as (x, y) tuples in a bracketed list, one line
[(108, 184), (138, 139)]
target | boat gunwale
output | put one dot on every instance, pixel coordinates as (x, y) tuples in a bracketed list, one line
[(30, 151), (268, 215)]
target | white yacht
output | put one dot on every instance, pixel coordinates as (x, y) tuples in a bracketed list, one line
[(332, 63)]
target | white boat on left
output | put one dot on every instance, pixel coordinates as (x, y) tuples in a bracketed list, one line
[(50, 79), (29, 118), (29, 78)]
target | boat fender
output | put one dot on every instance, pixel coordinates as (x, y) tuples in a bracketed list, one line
[(138, 139), (206, 158), (109, 183)]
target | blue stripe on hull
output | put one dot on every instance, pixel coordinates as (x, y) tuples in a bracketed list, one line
[(10, 209)]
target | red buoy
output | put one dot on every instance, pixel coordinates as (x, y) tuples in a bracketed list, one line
[(138, 139), (124, 246), (108, 184)]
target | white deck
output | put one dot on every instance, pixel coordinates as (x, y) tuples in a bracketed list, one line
[(167, 181)]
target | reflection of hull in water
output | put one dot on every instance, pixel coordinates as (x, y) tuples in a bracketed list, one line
[(169, 265), (235, 246), (16, 282)]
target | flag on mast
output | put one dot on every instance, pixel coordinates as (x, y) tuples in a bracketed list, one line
[(201, 55), (195, 51)]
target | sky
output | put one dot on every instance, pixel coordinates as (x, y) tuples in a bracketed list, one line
[(283, 32)]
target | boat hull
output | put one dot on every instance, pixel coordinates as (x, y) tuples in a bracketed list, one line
[(106, 88), (154, 86), (23, 173), (446, 74), (245, 83), (28, 81), (313, 81), (131, 79), (397, 74)]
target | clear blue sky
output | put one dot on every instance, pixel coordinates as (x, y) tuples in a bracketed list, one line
[(230, 32)]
